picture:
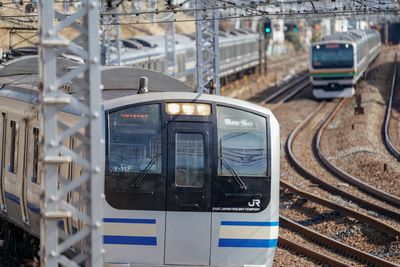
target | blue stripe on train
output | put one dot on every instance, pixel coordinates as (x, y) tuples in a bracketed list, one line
[(15, 199), (130, 240), (128, 220), (12, 197), (33, 208), (241, 223), (247, 243)]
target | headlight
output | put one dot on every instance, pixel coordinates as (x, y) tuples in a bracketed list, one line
[(194, 109)]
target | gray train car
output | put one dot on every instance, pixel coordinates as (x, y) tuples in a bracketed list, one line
[(189, 179), (239, 54)]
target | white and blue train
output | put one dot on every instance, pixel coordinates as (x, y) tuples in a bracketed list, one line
[(189, 179), (340, 60)]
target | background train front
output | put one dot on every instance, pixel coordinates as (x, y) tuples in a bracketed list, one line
[(340, 60), (189, 179)]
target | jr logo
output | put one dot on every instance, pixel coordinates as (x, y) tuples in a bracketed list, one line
[(255, 202)]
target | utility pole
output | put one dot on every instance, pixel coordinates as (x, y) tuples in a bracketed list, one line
[(111, 35), (170, 56), (86, 213), (207, 47)]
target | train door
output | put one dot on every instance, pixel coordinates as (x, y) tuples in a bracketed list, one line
[(188, 219)]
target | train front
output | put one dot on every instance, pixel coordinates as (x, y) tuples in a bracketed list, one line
[(191, 180), (332, 70)]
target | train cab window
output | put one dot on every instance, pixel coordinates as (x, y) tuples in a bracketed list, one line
[(332, 56), (133, 162), (189, 160), (12, 167), (242, 143), (35, 167), (243, 177)]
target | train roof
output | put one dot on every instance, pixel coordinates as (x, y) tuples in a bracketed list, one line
[(20, 81), (185, 96), (350, 36)]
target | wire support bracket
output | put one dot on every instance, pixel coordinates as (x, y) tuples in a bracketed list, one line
[(207, 48)]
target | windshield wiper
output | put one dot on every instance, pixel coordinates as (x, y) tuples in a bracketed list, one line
[(232, 171), (146, 170)]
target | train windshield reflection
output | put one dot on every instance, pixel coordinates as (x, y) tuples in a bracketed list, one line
[(135, 140), (242, 143)]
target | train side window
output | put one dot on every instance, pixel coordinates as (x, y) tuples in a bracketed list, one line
[(12, 167), (189, 160), (35, 167), (133, 179)]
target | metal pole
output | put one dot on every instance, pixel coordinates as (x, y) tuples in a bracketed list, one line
[(207, 48), (170, 56), (111, 37), (85, 214)]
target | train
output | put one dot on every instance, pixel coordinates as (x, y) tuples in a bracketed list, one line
[(240, 53), (340, 60), (189, 179)]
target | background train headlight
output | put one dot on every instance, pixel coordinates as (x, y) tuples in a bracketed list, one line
[(195, 109)]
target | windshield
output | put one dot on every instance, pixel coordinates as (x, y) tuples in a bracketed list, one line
[(135, 140), (242, 143), (332, 56)]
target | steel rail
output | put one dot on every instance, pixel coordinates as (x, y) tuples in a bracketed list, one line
[(294, 92), (334, 245), (321, 182), (299, 248), (302, 81), (377, 193), (395, 152), (377, 224)]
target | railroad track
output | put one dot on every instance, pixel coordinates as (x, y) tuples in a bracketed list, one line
[(373, 191), (376, 223), (288, 91), (328, 243), (326, 185), (388, 142)]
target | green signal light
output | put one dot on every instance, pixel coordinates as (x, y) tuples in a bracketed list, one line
[(267, 30)]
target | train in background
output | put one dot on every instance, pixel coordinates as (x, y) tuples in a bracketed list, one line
[(340, 60), (241, 53), (189, 179)]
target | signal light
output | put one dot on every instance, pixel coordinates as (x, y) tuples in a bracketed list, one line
[(267, 27)]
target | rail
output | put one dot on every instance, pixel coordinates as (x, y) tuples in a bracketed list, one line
[(377, 193), (333, 244), (322, 183), (395, 152), (297, 85)]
